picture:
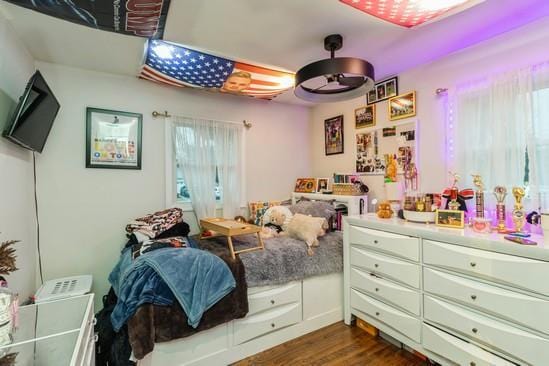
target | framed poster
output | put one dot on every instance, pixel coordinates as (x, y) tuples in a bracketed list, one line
[(365, 116), (402, 106), (383, 90), (333, 135), (113, 139)]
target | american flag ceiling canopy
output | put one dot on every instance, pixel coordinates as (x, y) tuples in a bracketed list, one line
[(406, 13), (175, 65)]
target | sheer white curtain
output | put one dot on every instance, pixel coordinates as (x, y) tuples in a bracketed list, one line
[(204, 149), (538, 146), (502, 131)]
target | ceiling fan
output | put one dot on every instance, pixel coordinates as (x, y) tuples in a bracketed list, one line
[(336, 78)]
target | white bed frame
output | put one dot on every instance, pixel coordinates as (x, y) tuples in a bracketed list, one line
[(277, 314)]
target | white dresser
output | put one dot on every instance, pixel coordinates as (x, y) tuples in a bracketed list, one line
[(459, 297), (56, 333)]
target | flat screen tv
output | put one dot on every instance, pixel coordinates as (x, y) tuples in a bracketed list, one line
[(33, 117)]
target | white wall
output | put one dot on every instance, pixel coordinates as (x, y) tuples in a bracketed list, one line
[(16, 202), (84, 211), (521, 47)]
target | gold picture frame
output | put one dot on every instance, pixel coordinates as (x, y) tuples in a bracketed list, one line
[(402, 106), (365, 116), (450, 218), (305, 185)]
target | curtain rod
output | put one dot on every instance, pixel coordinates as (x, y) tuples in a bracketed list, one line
[(165, 114)]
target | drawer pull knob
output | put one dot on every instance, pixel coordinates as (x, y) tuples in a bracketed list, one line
[(472, 363), (377, 313), (375, 241), (273, 325), (376, 265), (377, 289), (272, 302), (475, 330), (473, 297), (473, 264)]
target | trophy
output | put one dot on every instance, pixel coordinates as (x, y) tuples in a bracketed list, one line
[(518, 212), (479, 195), (454, 204), (500, 193)]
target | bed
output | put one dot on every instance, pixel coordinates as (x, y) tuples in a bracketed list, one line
[(285, 300), (281, 293)]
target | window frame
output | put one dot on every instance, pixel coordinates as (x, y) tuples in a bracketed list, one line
[(171, 172)]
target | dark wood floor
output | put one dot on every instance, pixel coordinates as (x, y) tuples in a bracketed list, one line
[(336, 344)]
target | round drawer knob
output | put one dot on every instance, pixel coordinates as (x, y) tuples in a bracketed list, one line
[(272, 302), (473, 264), (273, 325), (377, 289), (375, 241), (376, 265), (473, 297), (472, 363), (377, 313), (475, 330)]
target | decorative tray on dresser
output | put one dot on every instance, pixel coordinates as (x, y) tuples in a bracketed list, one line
[(457, 296)]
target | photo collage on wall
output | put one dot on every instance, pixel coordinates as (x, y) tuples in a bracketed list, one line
[(374, 147)]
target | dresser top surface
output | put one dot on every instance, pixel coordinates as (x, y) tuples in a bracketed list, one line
[(466, 237)]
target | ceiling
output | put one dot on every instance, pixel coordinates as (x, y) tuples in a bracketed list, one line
[(284, 34)]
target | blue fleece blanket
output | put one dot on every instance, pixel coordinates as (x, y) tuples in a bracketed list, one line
[(196, 278)]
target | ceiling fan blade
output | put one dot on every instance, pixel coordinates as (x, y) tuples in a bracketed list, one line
[(353, 81)]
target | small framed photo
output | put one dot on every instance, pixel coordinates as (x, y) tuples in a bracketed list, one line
[(450, 218), (402, 106), (333, 135), (322, 184), (305, 185), (383, 90), (113, 139), (365, 116)]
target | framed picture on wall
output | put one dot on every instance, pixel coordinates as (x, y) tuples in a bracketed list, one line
[(402, 106), (113, 139), (333, 135), (365, 116), (383, 90)]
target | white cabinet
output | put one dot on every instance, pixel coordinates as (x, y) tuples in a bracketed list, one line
[(459, 297), (55, 333)]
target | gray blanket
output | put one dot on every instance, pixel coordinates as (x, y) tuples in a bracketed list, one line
[(285, 259)]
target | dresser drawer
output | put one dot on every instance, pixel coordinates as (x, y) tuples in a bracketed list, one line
[(266, 322), (405, 272), (397, 295), (399, 245), (495, 334), (268, 299), (514, 271), (523, 309), (396, 319), (458, 351)]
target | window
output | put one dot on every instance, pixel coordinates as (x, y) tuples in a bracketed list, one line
[(501, 132), (182, 191), (208, 170)]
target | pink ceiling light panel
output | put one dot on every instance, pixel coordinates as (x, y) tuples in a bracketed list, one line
[(406, 13)]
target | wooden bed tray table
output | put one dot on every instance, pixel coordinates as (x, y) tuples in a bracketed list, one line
[(230, 228)]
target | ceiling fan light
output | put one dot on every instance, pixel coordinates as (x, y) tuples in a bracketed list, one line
[(334, 79)]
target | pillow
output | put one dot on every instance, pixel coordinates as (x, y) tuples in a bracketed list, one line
[(323, 209), (257, 210)]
